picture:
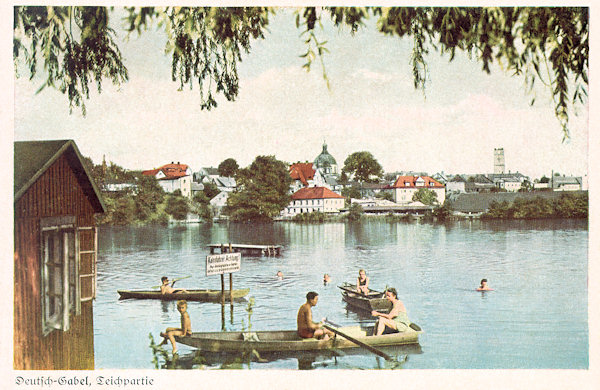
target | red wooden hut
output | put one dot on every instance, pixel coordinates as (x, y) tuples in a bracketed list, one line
[(55, 244)]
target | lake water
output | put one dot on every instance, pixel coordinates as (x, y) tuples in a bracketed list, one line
[(535, 318)]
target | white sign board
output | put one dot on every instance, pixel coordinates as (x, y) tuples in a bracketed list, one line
[(223, 263)]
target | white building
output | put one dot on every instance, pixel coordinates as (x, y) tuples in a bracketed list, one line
[(311, 199), (173, 177), (405, 187)]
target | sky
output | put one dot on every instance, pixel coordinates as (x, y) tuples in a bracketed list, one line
[(283, 110)]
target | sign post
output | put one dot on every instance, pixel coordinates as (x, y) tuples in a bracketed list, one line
[(219, 265)]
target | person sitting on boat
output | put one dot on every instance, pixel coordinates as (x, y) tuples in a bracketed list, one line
[(306, 327), (185, 330), (326, 279), (166, 289), (362, 282), (484, 286), (396, 319)]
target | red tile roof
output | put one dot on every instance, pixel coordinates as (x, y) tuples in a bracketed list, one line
[(302, 171), (410, 182), (315, 193), (171, 171)]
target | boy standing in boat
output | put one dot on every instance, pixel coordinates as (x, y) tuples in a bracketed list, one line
[(185, 330), (306, 327)]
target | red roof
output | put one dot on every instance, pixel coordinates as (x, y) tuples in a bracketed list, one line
[(411, 182), (302, 171), (315, 193), (171, 171)]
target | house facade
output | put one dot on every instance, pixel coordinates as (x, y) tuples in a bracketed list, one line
[(173, 177), (305, 175), (405, 187), (55, 254), (311, 199)]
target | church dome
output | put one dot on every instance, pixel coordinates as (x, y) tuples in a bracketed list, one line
[(325, 161)]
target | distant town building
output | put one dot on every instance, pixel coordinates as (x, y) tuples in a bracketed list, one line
[(405, 187), (498, 160), (173, 177), (311, 199), (206, 175), (219, 202), (305, 175), (566, 183)]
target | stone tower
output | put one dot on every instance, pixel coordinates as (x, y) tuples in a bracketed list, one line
[(498, 160)]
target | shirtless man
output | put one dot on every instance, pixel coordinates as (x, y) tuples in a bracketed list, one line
[(166, 289), (186, 327), (306, 327)]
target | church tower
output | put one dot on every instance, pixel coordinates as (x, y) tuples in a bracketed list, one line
[(498, 161), (325, 162)]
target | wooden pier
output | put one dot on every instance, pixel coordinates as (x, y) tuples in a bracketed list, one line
[(244, 249)]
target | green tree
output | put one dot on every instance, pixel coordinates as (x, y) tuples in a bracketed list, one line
[(351, 192), (355, 212), (228, 167), (148, 196), (444, 212), (548, 45), (177, 206), (210, 190), (545, 179), (425, 196), (387, 195), (363, 167), (201, 205), (263, 190)]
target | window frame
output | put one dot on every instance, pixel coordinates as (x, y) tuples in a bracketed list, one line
[(56, 265)]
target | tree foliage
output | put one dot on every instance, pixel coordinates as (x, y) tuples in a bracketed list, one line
[(566, 206), (363, 167), (548, 45), (177, 205), (355, 212), (263, 190), (76, 45), (351, 192), (425, 196), (210, 190), (228, 167), (148, 196)]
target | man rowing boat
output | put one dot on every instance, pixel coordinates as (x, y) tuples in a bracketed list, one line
[(166, 289), (306, 327)]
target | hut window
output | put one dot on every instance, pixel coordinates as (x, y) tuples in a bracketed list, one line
[(59, 273)]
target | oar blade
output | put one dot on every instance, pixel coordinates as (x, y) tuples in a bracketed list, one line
[(358, 342)]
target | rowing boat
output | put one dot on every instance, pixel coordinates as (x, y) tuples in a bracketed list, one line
[(190, 295), (288, 340), (374, 300)]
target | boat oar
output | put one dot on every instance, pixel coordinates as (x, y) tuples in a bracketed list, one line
[(173, 281), (357, 342)]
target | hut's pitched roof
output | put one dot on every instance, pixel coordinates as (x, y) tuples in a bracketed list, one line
[(33, 158)]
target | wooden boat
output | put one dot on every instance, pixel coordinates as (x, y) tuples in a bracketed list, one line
[(374, 300), (288, 340), (190, 295)]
